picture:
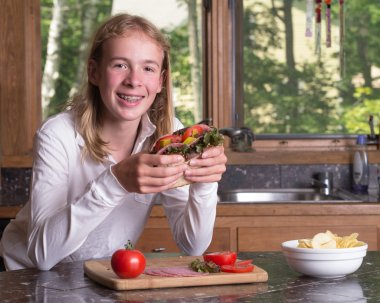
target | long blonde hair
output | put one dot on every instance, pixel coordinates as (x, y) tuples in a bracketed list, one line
[(88, 105)]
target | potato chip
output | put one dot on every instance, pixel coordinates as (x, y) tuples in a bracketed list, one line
[(331, 234), (349, 241), (323, 240), (330, 240), (304, 243)]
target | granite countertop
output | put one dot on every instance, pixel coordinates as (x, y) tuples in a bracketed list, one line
[(67, 283)]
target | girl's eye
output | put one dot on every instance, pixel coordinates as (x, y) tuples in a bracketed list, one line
[(149, 69), (121, 65)]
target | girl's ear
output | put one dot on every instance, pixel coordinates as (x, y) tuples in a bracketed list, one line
[(92, 72)]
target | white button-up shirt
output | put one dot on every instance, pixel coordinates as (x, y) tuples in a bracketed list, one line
[(77, 209)]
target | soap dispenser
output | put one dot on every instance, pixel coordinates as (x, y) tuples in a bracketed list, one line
[(360, 167)]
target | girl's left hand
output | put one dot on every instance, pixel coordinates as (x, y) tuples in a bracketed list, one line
[(209, 167)]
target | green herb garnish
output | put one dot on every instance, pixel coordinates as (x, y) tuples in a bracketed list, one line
[(202, 266)]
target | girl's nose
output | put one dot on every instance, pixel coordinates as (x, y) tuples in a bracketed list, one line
[(133, 78)]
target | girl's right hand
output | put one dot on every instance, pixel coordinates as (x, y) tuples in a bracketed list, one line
[(149, 173)]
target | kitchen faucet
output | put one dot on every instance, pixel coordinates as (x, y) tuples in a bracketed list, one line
[(323, 181), (372, 138)]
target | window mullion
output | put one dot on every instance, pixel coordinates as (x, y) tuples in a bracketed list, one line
[(217, 41)]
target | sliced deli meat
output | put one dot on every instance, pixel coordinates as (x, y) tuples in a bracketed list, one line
[(173, 271)]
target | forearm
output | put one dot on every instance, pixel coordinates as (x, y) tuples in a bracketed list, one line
[(193, 227), (56, 233)]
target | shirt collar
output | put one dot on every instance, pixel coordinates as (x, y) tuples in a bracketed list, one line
[(146, 130), (79, 139)]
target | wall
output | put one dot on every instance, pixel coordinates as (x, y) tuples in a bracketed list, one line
[(282, 176), (16, 181)]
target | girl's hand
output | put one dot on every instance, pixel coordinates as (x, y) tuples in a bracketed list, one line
[(147, 173), (209, 167)]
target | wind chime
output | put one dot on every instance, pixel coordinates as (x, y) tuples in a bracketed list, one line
[(315, 6)]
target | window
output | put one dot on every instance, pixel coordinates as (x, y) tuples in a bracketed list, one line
[(66, 33), (293, 85), (66, 28), (240, 81)]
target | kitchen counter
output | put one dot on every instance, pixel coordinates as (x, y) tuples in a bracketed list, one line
[(67, 283)]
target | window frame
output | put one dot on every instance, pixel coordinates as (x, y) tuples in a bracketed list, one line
[(20, 93), (222, 93)]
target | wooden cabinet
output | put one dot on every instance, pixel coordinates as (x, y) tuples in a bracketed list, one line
[(270, 238), (263, 227), (157, 237), (161, 239)]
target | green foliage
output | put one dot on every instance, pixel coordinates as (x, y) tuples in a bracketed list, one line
[(357, 116), (74, 11), (179, 57), (180, 67), (320, 103), (46, 15), (184, 115), (362, 42), (71, 37)]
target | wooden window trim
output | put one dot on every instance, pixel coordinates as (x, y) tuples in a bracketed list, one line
[(217, 68), (20, 78)]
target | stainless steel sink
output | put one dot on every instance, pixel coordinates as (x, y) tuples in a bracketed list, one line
[(281, 195)]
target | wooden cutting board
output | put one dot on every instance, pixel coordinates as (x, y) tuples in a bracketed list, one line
[(101, 272)]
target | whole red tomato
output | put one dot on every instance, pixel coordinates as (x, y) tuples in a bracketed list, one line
[(221, 258), (128, 262)]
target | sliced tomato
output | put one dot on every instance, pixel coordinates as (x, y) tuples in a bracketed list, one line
[(221, 258), (237, 268), (243, 262), (166, 140), (193, 131)]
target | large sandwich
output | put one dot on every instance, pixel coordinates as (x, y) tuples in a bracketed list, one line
[(189, 142)]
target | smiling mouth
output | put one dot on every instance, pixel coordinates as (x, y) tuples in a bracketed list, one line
[(130, 99)]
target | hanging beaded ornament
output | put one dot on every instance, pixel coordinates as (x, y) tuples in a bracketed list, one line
[(328, 23), (318, 11)]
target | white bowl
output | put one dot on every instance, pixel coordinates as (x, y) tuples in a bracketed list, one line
[(323, 263)]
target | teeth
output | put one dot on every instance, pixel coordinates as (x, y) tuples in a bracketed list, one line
[(129, 98)]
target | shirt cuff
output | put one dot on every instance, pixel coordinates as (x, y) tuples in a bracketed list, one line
[(108, 188)]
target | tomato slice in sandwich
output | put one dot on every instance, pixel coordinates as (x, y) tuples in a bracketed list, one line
[(166, 140), (193, 131), (221, 258)]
